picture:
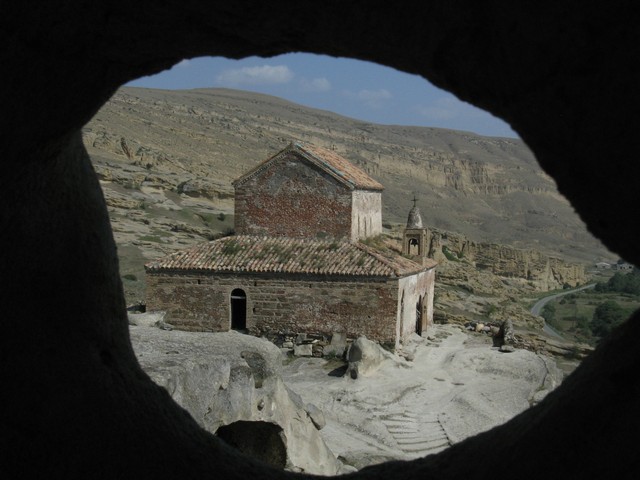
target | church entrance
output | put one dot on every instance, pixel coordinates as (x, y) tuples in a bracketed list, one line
[(238, 309), (419, 316)]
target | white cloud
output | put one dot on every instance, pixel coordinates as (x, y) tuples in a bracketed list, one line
[(448, 108), (265, 74), (374, 98), (371, 98), (319, 84)]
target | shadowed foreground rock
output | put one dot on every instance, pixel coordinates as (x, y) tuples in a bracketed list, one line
[(230, 381), (77, 404)]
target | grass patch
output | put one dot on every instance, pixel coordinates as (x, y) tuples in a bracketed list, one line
[(374, 242), (151, 238), (231, 247), (451, 256), (573, 312), (584, 303)]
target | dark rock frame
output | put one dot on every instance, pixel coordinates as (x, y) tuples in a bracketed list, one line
[(564, 75)]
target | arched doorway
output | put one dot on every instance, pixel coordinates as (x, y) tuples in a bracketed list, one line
[(238, 309)]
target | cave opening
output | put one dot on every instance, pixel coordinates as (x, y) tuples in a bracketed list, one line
[(262, 441)]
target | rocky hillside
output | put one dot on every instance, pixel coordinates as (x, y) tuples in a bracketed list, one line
[(489, 282), (541, 271), (166, 160)]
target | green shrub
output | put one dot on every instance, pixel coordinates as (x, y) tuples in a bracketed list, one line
[(606, 317), (452, 257), (231, 247), (548, 313), (623, 283), (582, 323), (490, 310)]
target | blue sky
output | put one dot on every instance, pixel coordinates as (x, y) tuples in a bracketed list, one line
[(356, 89)]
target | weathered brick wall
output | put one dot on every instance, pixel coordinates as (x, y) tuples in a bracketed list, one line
[(295, 199), (275, 304), (190, 302), (366, 214), (355, 307)]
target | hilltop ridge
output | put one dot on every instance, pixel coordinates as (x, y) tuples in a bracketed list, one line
[(166, 160), (197, 141)]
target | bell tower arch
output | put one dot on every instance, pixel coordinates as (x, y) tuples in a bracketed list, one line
[(415, 237)]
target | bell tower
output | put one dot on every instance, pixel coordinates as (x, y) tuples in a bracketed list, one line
[(414, 242)]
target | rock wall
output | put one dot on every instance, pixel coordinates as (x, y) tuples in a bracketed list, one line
[(240, 383), (77, 404), (542, 271)]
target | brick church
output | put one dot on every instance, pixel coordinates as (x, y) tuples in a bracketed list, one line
[(303, 259)]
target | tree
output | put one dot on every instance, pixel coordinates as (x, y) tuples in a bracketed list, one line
[(606, 317), (548, 313), (623, 283), (582, 323)]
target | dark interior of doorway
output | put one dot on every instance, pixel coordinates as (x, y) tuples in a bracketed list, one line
[(238, 310)]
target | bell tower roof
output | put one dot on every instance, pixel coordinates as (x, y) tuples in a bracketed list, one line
[(415, 219)]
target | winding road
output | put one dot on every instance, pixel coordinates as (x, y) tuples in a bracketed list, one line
[(537, 307)]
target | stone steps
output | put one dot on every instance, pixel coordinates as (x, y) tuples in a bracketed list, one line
[(416, 434)]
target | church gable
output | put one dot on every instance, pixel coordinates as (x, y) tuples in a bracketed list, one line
[(306, 191), (326, 160), (289, 196)]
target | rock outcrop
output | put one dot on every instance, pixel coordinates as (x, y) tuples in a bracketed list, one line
[(364, 357), (238, 394), (542, 271)]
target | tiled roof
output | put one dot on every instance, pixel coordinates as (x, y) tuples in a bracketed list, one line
[(326, 160), (252, 254), (341, 167)]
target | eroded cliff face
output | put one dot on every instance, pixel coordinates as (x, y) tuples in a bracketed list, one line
[(541, 271), (490, 189)]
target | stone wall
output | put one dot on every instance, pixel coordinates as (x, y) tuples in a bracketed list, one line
[(295, 199), (365, 306), (366, 214), (410, 290), (191, 303)]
